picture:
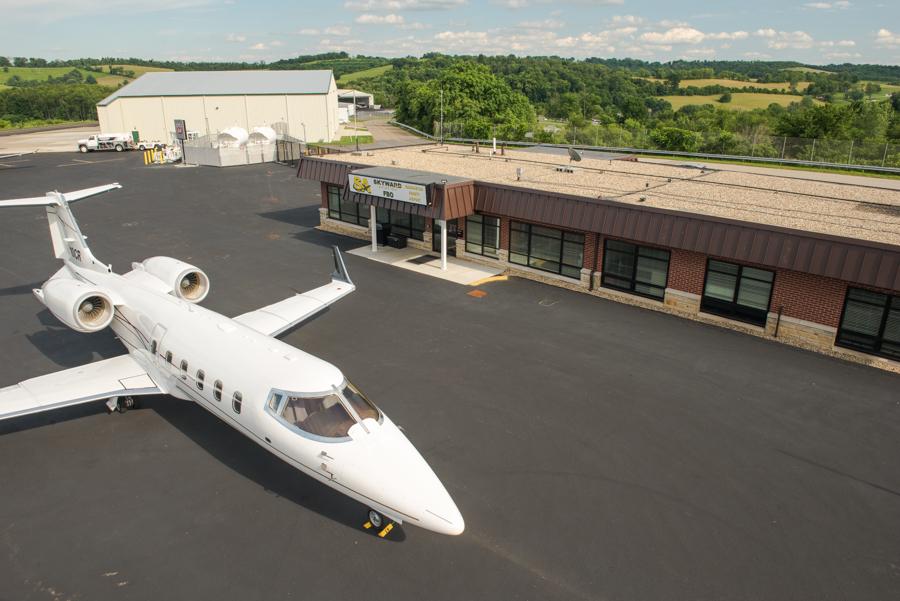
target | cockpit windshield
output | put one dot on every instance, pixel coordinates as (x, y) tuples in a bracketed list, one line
[(327, 415), (364, 408), (322, 416)]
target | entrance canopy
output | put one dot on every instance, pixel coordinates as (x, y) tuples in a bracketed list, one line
[(430, 195)]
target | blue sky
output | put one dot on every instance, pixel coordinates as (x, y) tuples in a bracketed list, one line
[(240, 30)]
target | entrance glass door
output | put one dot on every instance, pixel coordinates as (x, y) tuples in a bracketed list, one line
[(452, 234)]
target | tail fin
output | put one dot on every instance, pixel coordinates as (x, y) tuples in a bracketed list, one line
[(68, 241)]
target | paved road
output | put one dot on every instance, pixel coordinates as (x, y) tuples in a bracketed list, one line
[(596, 450), (388, 136), (43, 128), (839, 178), (46, 141)]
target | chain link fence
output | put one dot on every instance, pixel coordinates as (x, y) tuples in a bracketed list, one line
[(771, 148)]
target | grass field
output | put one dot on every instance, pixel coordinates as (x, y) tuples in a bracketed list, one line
[(351, 77), (345, 141), (736, 84), (806, 69), (740, 101), (103, 79)]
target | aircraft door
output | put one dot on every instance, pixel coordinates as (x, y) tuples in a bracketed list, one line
[(156, 344)]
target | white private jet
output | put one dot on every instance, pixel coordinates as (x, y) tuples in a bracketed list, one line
[(300, 408)]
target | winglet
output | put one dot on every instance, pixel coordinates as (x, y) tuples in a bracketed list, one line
[(340, 270)]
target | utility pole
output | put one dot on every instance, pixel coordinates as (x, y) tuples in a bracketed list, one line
[(442, 115)]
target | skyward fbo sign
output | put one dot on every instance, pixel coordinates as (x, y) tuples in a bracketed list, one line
[(405, 192)]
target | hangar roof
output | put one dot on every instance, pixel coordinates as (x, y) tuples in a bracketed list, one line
[(224, 83)]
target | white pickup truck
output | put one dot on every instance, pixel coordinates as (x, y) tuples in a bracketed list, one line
[(117, 142)]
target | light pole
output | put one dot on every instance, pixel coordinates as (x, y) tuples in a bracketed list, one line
[(442, 115), (305, 143)]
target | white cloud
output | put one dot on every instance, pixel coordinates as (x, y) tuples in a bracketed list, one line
[(259, 46), (818, 5), (511, 4), (886, 38), (692, 53), (556, 13), (339, 29), (737, 35), (846, 43), (464, 23), (277, 44), (757, 55), (545, 24), (725, 46), (206, 50), (676, 35), (671, 23), (843, 4), (625, 20), (766, 33), (390, 6), (792, 39), (46, 11), (232, 37), (827, 6), (229, 1), (377, 20), (413, 26), (843, 55), (309, 32)]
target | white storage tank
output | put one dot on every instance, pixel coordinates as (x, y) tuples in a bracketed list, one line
[(233, 137), (263, 135)]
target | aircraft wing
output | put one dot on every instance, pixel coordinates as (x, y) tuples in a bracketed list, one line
[(120, 376), (275, 319)]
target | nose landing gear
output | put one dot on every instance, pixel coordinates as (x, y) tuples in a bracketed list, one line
[(376, 520)]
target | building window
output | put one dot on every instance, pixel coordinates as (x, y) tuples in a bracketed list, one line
[(200, 377), (737, 292), (405, 224), (637, 269), (217, 390), (349, 212), (236, 402), (483, 235), (543, 248), (871, 323)]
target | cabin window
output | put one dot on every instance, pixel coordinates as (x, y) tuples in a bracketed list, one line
[(236, 402), (217, 390), (200, 377), (169, 357), (184, 367), (364, 408), (153, 349)]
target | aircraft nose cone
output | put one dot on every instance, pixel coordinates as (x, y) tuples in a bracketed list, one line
[(444, 519)]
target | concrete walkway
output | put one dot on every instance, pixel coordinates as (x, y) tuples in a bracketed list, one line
[(460, 272)]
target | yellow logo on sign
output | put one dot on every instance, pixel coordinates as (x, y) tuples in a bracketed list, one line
[(361, 185)]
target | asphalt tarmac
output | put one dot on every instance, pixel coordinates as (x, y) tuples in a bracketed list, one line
[(596, 450)]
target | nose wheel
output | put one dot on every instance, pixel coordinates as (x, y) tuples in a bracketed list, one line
[(376, 520)]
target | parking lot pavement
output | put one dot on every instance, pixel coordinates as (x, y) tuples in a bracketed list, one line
[(47, 141), (596, 450)]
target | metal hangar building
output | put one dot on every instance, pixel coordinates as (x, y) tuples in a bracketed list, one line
[(210, 101)]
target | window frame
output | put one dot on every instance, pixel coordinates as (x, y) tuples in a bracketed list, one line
[(877, 341), (482, 225), (169, 358), (633, 281), (336, 193), (709, 302), (184, 369), (276, 412), (201, 376), (387, 215), (562, 248), (237, 400), (218, 388)]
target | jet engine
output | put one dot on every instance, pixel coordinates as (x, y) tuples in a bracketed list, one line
[(82, 307), (187, 282)]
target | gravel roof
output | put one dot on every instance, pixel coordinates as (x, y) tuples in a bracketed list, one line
[(854, 211)]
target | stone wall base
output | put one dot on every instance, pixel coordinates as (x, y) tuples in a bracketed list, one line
[(802, 331), (682, 301)]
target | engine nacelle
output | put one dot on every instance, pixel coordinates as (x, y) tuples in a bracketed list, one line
[(82, 307), (187, 282)]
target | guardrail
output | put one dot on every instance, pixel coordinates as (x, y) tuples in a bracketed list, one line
[(673, 153)]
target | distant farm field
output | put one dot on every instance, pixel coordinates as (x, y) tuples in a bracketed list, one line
[(351, 77), (730, 83), (739, 100), (104, 79)]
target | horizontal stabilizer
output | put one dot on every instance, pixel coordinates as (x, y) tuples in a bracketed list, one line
[(51, 198)]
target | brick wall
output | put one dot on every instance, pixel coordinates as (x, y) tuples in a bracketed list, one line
[(809, 297), (324, 195), (590, 251), (504, 233), (686, 271)]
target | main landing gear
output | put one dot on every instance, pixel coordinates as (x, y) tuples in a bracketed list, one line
[(376, 520), (122, 403)]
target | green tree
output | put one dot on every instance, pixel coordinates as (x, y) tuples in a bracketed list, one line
[(673, 79), (855, 94), (90, 79), (726, 97), (672, 138), (4, 62), (872, 88), (20, 61), (471, 93), (822, 121)]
